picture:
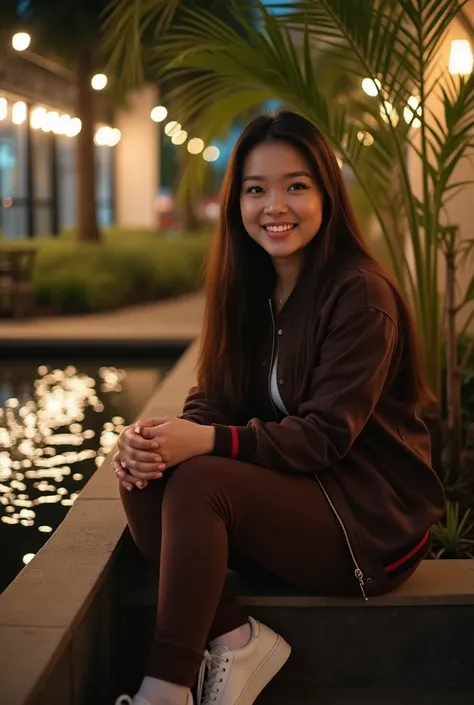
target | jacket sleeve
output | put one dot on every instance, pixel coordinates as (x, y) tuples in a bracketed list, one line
[(201, 408), (346, 386)]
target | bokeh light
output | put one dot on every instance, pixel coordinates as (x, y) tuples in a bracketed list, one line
[(371, 86), (19, 112), (180, 137), (172, 128), (21, 41), (3, 108), (99, 81), (211, 154), (195, 145), (159, 113)]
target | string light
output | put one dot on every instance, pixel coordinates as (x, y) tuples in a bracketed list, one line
[(107, 136), (37, 117), (195, 145), (211, 154), (172, 128), (21, 41), (50, 121), (3, 108), (460, 57), (99, 81), (371, 86), (159, 113), (180, 137), (388, 113), (74, 127), (19, 113), (413, 108)]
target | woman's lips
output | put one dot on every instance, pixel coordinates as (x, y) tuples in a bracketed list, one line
[(279, 234)]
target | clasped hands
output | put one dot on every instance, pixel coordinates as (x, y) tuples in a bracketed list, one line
[(146, 449)]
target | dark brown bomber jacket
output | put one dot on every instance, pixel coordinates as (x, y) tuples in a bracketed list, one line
[(366, 447)]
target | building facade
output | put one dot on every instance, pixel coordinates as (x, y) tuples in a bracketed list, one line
[(38, 132)]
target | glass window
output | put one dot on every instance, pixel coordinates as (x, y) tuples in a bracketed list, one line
[(104, 166), (66, 151), (13, 177)]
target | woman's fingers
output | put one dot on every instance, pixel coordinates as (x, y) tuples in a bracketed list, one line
[(141, 456), (123, 468), (128, 438), (122, 473), (151, 472), (141, 470), (128, 480)]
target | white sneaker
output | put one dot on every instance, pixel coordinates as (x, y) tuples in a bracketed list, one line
[(237, 677), (138, 700)]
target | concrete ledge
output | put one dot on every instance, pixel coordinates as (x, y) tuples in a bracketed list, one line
[(170, 320), (60, 617), (115, 346), (435, 583), (397, 640)]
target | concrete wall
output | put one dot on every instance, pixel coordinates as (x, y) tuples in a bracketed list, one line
[(137, 162)]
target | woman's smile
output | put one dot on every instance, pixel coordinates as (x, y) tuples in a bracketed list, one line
[(279, 231)]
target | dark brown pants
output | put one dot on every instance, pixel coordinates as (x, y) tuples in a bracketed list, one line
[(211, 513)]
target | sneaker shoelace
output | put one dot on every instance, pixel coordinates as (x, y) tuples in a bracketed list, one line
[(210, 676)]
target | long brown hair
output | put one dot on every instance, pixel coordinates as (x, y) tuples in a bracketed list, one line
[(240, 274)]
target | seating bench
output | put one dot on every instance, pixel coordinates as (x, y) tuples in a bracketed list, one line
[(421, 634), (16, 273)]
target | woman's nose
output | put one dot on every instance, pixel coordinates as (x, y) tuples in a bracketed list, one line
[(275, 203)]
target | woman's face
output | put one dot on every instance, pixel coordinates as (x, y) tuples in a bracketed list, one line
[(281, 204)]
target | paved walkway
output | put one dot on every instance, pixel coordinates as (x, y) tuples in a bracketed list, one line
[(175, 320)]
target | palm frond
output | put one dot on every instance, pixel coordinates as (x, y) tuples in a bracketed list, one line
[(259, 65), (124, 25), (454, 138), (212, 69)]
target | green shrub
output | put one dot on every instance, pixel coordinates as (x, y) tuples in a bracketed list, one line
[(126, 267)]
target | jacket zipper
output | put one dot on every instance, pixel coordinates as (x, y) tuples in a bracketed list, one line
[(271, 361), (358, 573)]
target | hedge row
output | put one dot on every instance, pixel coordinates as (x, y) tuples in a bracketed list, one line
[(124, 268)]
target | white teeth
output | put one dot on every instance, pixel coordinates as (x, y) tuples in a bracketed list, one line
[(278, 228)]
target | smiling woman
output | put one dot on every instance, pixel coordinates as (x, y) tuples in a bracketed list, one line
[(300, 451)]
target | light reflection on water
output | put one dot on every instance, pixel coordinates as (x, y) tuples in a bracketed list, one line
[(57, 424)]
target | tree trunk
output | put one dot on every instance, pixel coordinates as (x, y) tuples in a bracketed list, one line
[(86, 217), (190, 219), (189, 189)]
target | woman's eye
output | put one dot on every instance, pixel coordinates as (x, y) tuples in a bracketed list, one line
[(298, 186), (254, 189)]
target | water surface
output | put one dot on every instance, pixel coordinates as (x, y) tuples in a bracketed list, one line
[(58, 421)]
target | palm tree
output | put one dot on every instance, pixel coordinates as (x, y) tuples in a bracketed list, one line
[(133, 29)]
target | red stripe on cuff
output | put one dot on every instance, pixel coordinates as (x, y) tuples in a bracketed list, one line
[(235, 442), (407, 557)]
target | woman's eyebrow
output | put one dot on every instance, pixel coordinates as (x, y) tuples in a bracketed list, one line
[(291, 175)]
